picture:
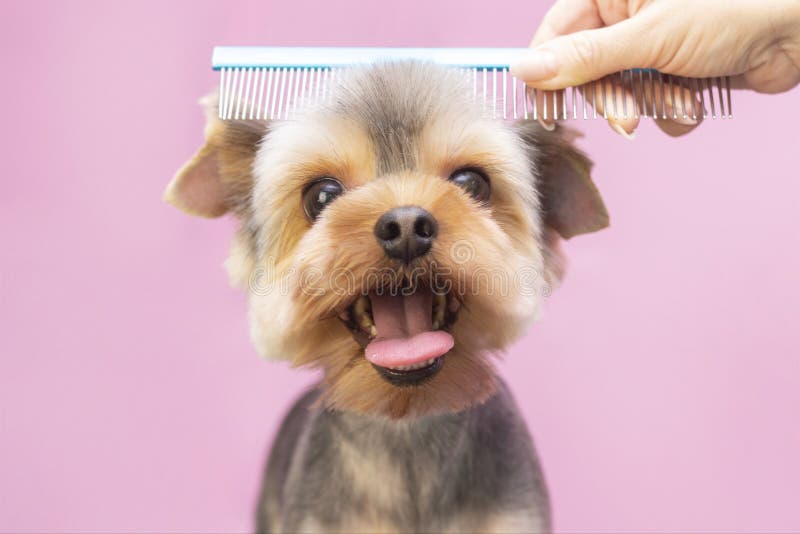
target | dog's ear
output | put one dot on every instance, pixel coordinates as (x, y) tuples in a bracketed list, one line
[(219, 177), (570, 202)]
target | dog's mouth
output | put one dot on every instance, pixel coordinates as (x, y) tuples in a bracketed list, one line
[(405, 334)]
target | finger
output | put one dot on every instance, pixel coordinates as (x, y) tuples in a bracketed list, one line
[(567, 16), (547, 106), (620, 106), (674, 129), (613, 98), (587, 55), (674, 103)]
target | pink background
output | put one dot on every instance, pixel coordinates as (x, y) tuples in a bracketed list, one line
[(662, 385)]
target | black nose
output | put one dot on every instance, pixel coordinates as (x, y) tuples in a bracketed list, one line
[(406, 232)]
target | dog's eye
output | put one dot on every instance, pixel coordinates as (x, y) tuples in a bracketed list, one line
[(474, 182), (318, 194)]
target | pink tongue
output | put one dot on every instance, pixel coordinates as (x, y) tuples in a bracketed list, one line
[(405, 332)]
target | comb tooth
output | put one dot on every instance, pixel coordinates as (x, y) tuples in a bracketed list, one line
[(584, 88), (318, 83), (221, 98), (514, 97), (239, 92), (728, 92), (564, 104), (504, 74), (535, 100), (692, 84), (291, 96), (643, 99), (721, 100), (297, 91), (324, 85), (228, 91), (277, 92), (615, 92), (484, 89), (632, 78), (232, 93), (672, 97), (525, 95), (653, 105), (544, 105), (254, 99), (710, 86), (288, 96), (328, 91), (700, 84), (474, 86), (270, 97), (605, 102), (683, 97), (621, 92), (555, 105), (494, 94), (272, 92), (574, 102), (247, 92), (262, 73), (308, 98), (281, 92), (662, 96), (303, 90)]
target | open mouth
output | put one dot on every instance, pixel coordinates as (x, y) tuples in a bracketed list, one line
[(405, 334)]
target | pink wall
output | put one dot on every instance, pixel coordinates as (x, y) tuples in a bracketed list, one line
[(662, 385)]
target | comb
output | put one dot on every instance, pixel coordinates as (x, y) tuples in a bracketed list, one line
[(268, 83)]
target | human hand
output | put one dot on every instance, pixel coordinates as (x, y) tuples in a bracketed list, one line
[(756, 42)]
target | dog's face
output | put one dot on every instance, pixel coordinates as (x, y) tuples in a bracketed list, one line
[(396, 237)]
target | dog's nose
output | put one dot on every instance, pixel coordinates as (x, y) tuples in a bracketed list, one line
[(406, 232)]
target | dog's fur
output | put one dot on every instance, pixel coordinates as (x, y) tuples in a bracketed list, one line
[(358, 453)]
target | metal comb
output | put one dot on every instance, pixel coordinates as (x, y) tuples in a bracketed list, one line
[(268, 83)]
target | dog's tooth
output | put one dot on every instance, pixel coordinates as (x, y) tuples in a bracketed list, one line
[(363, 318), (360, 306), (439, 304)]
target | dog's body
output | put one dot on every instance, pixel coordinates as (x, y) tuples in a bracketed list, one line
[(472, 471), (396, 238)]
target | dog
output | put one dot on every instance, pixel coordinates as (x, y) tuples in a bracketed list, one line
[(397, 238)]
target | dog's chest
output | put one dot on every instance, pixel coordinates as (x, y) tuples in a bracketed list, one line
[(474, 471)]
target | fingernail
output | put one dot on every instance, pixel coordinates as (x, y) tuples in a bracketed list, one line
[(686, 121), (539, 64), (620, 130), (549, 126)]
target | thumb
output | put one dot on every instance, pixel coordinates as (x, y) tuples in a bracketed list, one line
[(588, 55)]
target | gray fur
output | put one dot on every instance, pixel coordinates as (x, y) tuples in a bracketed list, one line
[(479, 463), (393, 102)]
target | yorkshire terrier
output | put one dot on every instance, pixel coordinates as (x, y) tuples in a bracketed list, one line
[(397, 238)]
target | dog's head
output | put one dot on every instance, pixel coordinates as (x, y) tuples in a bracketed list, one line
[(395, 236)]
